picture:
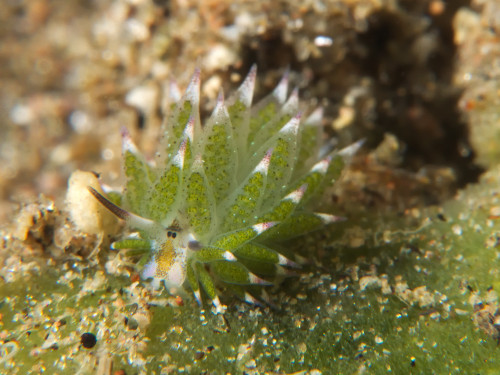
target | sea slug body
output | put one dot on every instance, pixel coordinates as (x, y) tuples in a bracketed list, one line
[(220, 194)]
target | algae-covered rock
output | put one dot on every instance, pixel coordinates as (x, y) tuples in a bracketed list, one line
[(412, 294)]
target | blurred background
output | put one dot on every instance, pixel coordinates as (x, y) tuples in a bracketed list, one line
[(416, 78)]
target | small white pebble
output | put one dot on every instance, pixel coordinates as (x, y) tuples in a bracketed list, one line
[(21, 114), (80, 122), (323, 41), (367, 281), (138, 31), (457, 229), (251, 364), (212, 87), (143, 98), (219, 57)]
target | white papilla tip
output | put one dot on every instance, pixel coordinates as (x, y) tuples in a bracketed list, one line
[(315, 118), (254, 279), (193, 89), (127, 143), (284, 261), (189, 129), (251, 299), (174, 92), (292, 104), (179, 157), (197, 296), (262, 227), (350, 151), (296, 195), (263, 165), (220, 110), (220, 99), (229, 256), (219, 307), (281, 90), (321, 166), (292, 126), (245, 91), (328, 219)]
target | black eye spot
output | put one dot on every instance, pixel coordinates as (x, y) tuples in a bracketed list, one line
[(88, 340), (169, 234), (174, 234)]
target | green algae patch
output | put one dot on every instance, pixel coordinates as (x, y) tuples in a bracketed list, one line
[(43, 318)]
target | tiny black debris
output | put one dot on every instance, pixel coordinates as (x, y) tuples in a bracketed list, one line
[(88, 340)]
